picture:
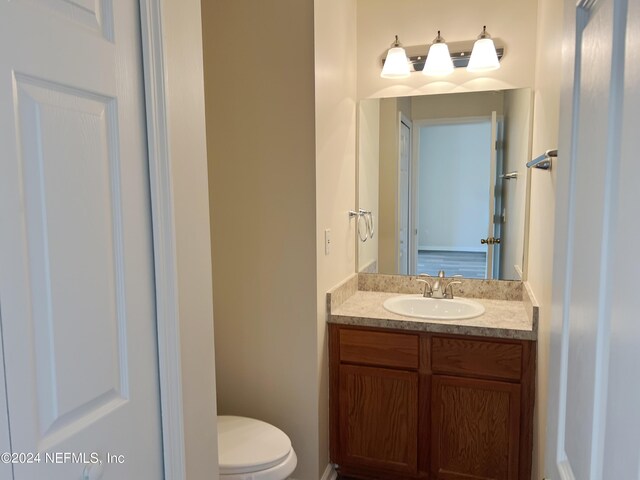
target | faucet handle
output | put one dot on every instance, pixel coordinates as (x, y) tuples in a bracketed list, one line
[(428, 290), (448, 290)]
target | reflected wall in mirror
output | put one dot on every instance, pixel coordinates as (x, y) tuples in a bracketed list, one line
[(446, 181)]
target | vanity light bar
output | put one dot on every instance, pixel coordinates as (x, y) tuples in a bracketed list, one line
[(460, 59)]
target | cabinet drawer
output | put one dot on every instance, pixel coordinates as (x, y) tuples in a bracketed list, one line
[(379, 348), (476, 357)]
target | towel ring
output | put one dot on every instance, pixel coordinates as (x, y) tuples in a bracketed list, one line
[(366, 233)]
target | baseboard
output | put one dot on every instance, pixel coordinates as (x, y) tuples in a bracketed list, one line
[(436, 248), (329, 473)]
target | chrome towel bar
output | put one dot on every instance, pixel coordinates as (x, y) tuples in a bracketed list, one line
[(544, 160)]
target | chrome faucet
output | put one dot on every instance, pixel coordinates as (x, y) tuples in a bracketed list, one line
[(441, 288)]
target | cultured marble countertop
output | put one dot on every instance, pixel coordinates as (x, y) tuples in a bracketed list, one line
[(502, 318)]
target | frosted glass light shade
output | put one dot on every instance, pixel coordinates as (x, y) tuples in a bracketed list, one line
[(438, 61), (396, 64), (483, 56)]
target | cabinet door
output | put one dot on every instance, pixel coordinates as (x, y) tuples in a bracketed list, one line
[(475, 429), (378, 418)]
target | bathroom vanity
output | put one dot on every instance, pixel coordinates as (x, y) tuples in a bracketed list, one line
[(430, 399)]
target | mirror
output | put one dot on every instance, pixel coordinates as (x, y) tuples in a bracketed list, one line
[(445, 182)]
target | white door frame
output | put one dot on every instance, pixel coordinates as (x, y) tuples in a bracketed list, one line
[(158, 52), (402, 118), (6, 469), (163, 241), (554, 450)]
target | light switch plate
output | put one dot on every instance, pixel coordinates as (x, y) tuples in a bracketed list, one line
[(327, 241)]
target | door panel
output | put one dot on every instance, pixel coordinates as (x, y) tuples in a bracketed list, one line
[(74, 243), (76, 271), (96, 15), (369, 435), (475, 429)]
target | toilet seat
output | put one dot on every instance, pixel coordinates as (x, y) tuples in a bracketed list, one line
[(252, 449)]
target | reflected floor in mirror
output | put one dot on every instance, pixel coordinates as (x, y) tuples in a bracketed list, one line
[(467, 264)]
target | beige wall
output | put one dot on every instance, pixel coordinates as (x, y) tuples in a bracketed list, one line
[(543, 184), (455, 105), (417, 22), (517, 151), (189, 194), (335, 129), (260, 110), (368, 177)]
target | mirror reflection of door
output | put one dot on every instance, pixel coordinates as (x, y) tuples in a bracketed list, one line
[(454, 196), (404, 162), (496, 203)]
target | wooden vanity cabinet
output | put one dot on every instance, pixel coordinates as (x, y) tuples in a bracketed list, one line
[(433, 406)]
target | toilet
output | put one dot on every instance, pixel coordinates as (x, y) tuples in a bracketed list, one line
[(250, 449)]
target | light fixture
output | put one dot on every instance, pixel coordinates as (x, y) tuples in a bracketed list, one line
[(396, 65), (438, 61), (484, 56)]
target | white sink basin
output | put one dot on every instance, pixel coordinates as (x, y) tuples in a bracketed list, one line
[(434, 308)]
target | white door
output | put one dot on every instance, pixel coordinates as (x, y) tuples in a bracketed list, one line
[(499, 200), (493, 177), (594, 393), (403, 197), (76, 271)]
